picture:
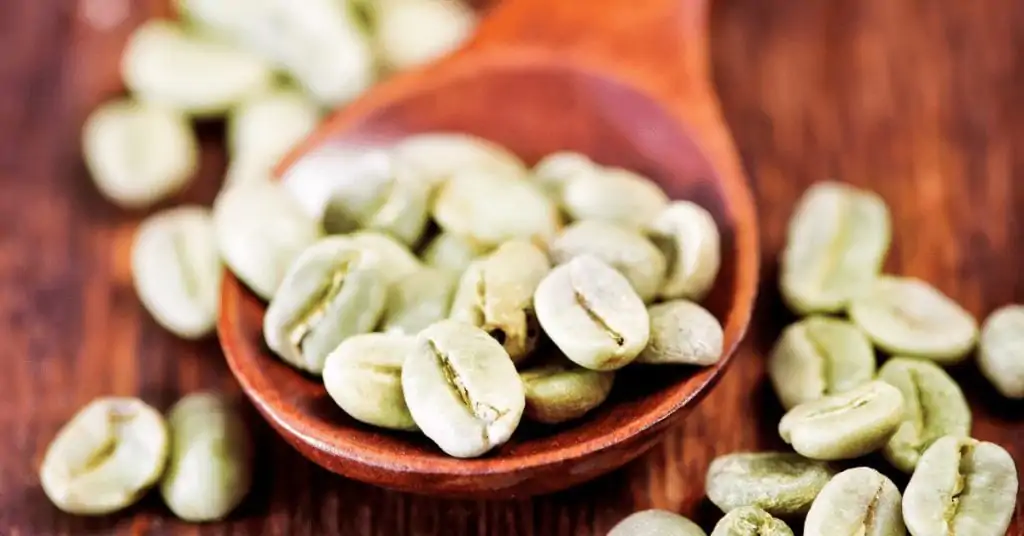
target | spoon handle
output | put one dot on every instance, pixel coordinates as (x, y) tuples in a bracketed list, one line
[(659, 45)]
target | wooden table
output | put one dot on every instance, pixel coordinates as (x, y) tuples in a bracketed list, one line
[(917, 100)]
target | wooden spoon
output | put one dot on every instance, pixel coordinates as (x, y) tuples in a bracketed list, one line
[(622, 81)]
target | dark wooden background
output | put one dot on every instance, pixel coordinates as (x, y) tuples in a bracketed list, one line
[(919, 100)]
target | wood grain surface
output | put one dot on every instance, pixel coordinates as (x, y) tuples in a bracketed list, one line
[(917, 100)]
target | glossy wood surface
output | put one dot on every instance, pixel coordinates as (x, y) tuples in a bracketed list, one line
[(620, 107), (918, 100)]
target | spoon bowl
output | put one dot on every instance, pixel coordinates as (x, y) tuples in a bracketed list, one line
[(535, 95)]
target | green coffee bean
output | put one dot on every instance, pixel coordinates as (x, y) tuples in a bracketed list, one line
[(418, 301), (489, 208), (856, 501), (819, 356), (591, 312), (614, 195), (844, 425), (688, 237), (396, 262), (164, 65), (462, 389), (750, 521), (933, 406), (682, 332), (363, 375), (293, 36), (780, 483), (410, 33), (1001, 355), (270, 124), (210, 467), (496, 294), (176, 270), (317, 177), (394, 202), (247, 171), (656, 523), (137, 153), (438, 156), (452, 253), (558, 390), (352, 204), (260, 230), (331, 292), (835, 247), (106, 457), (622, 248), (961, 487), (555, 170), (903, 315), (263, 129)]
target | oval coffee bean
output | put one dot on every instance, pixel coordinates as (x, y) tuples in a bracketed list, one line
[(314, 179), (139, 154), (106, 457), (903, 315), (819, 356), (355, 198), (451, 253), (682, 332), (591, 312), (363, 375), (555, 170), (210, 467), (176, 270), (462, 389), (614, 195), (688, 237), (290, 35), (1001, 351), (418, 301), (245, 172), (961, 487), (656, 523), (396, 262), (856, 501), (750, 521), (437, 156), (331, 292), (270, 124), (844, 425), (410, 33), (489, 208), (624, 249), (558, 390), (496, 295), (835, 247), (780, 483), (260, 230), (262, 130), (165, 65), (393, 201), (933, 406), (293, 34), (301, 31)]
